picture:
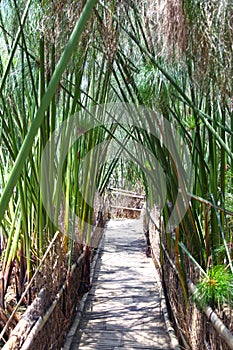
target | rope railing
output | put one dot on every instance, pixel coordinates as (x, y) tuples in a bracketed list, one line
[(219, 326), (205, 201)]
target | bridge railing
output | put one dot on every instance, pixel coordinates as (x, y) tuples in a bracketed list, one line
[(125, 204), (197, 327)]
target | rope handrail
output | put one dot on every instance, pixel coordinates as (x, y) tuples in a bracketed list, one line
[(205, 201)]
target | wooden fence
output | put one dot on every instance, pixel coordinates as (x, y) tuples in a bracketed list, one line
[(125, 204)]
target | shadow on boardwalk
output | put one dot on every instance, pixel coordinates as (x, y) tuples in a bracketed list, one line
[(123, 308)]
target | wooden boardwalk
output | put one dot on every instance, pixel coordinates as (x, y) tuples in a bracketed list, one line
[(123, 307)]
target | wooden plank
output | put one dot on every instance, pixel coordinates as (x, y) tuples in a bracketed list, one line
[(124, 208), (123, 307), (127, 193)]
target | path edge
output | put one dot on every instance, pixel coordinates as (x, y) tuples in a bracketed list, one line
[(174, 343), (79, 313)]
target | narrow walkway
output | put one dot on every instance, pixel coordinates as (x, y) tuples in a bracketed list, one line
[(123, 307)]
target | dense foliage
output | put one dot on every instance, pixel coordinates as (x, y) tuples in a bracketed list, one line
[(61, 58)]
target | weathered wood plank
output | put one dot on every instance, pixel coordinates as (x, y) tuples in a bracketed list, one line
[(123, 308), (124, 208)]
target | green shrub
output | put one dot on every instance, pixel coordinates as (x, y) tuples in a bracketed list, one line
[(216, 287)]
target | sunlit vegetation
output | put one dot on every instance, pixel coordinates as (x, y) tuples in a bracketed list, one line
[(172, 57)]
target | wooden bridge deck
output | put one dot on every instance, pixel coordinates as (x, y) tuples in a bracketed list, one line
[(123, 307)]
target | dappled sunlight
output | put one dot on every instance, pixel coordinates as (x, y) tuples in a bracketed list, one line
[(124, 306)]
